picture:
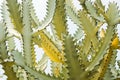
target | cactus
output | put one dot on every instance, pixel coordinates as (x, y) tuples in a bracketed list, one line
[(89, 54)]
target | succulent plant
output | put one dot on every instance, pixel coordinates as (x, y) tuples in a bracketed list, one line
[(89, 54)]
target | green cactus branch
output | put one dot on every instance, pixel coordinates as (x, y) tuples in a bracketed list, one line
[(34, 19), (59, 19), (27, 34), (49, 16), (89, 54), (21, 62), (99, 4), (50, 49), (109, 33), (89, 28), (92, 10), (102, 49), (7, 21), (15, 14), (111, 72), (112, 16), (104, 64), (3, 48), (72, 15), (72, 61)]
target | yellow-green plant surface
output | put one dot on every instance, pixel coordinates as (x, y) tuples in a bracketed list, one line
[(89, 54)]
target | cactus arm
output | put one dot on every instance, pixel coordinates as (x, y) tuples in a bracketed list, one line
[(19, 60), (72, 61), (56, 41), (27, 34), (3, 47), (111, 16), (7, 21), (34, 18), (93, 12), (79, 34), (39, 75), (50, 13), (85, 46), (50, 49), (111, 72), (99, 3), (105, 64), (102, 49), (73, 16), (59, 19), (89, 28), (15, 14)]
